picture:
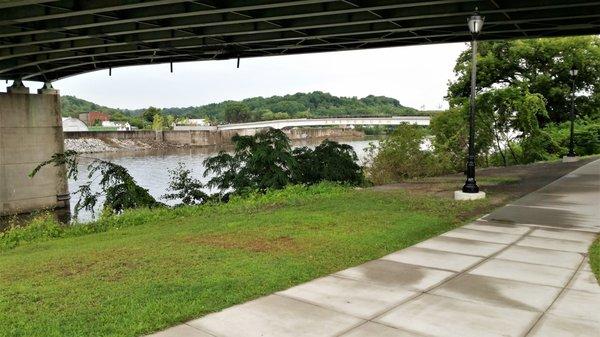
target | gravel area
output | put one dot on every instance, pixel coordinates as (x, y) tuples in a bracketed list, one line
[(88, 145), (94, 145)]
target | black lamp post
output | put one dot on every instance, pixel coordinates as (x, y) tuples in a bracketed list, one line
[(475, 25), (573, 72)]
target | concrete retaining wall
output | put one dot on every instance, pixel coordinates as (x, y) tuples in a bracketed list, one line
[(30, 132), (209, 137)]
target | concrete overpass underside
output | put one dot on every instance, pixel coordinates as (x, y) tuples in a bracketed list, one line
[(47, 40)]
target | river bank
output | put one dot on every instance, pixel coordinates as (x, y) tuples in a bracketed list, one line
[(149, 166), (119, 141), (184, 259)]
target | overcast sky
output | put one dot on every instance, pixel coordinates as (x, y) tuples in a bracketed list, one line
[(416, 76)]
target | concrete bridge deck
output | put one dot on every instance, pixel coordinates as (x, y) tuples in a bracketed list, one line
[(336, 121), (520, 271)]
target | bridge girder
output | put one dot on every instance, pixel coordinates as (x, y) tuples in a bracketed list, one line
[(51, 39)]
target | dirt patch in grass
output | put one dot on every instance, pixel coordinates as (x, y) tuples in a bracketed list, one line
[(105, 265), (251, 244)]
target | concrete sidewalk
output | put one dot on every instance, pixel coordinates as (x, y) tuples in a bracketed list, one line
[(520, 271)]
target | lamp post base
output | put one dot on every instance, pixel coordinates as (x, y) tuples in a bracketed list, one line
[(570, 159), (460, 195)]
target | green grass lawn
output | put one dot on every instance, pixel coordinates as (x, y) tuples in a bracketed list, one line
[(594, 254), (151, 269)]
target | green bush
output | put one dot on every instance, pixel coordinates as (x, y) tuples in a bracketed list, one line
[(42, 227), (118, 186), (330, 161), (586, 136), (400, 157), (266, 161)]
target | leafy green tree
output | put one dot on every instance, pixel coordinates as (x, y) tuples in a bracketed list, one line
[(538, 66), (236, 112), (260, 162), (450, 135), (329, 161), (158, 122), (402, 156), (304, 114), (148, 114), (265, 161), (511, 116), (288, 107), (587, 137), (120, 190), (524, 88), (170, 119), (184, 187)]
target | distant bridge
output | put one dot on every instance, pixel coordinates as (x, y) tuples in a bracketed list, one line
[(336, 121)]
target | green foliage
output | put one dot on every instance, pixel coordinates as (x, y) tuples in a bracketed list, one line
[(67, 159), (538, 66), (300, 105), (118, 186), (400, 157), (450, 131), (71, 106), (41, 228), (329, 161), (149, 114), (266, 161), (594, 253), (504, 111), (235, 112), (524, 90), (586, 137), (260, 162), (185, 187), (158, 122)]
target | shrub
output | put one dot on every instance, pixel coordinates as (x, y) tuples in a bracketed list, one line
[(586, 136), (119, 187), (260, 162), (329, 161), (184, 187), (266, 161), (401, 156), (42, 227)]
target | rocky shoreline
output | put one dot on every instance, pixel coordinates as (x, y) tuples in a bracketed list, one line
[(128, 141), (97, 145)]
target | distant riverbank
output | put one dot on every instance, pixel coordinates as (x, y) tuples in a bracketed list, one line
[(119, 141)]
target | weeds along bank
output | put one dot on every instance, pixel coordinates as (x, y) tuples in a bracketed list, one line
[(45, 226)]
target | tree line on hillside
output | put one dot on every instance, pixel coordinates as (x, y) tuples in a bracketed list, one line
[(301, 105)]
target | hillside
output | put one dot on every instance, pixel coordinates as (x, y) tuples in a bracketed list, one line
[(72, 106), (299, 105)]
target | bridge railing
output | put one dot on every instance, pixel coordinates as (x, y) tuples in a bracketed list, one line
[(298, 122)]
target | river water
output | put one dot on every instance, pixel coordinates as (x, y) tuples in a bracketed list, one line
[(150, 168)]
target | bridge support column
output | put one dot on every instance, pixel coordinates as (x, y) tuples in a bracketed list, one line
[(30, 132)]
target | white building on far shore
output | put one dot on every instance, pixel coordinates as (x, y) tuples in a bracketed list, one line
[(121, 126), (192, 124), (70, 124)]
